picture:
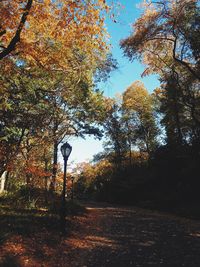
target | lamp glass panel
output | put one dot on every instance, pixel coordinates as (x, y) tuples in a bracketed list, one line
[(66, 150)]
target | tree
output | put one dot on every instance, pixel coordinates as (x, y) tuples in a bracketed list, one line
[(52, 39), (74, 112), (57, 35), (164, 36), (114, 132), (139, 118), (40, 107), (7, 12), (164, 39), (179, 109), (23, 109)]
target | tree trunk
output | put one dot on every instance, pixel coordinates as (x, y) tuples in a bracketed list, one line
[(130, 155), (129, 143), (46, 180), (55, 157), (3, 181), (177, 119), (55, 166)]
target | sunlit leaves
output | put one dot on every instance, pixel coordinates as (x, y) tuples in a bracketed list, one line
[(139, 117), (54, 30), (162, 39)]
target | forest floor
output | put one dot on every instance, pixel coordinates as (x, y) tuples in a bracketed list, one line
[(105, 235)]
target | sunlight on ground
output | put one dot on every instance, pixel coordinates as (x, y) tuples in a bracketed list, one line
[(195, 234), (91, 242), (147, 243), (101, 241)]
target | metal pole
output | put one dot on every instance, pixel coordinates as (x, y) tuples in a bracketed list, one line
[(63, 204)]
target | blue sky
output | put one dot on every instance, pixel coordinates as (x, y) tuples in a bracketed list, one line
[(128, 72)]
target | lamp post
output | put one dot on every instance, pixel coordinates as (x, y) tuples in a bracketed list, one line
[(65, 150)]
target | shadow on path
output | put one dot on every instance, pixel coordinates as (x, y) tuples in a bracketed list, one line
[(121, 236), (105, 236)]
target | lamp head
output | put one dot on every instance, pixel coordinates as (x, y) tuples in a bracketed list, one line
[(66, 150)]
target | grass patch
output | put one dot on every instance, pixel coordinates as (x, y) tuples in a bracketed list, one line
[(18, 216)]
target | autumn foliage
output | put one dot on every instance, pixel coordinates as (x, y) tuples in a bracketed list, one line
[(48, 33), (53, 54), (165, 125)]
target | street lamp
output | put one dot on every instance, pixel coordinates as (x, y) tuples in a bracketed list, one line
[(65, 150)]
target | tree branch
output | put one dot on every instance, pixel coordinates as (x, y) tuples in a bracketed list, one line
[(182, 62), (2, 32), (16, 37)]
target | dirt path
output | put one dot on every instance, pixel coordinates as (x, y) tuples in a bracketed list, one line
[(107, 236), (121, 236)]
